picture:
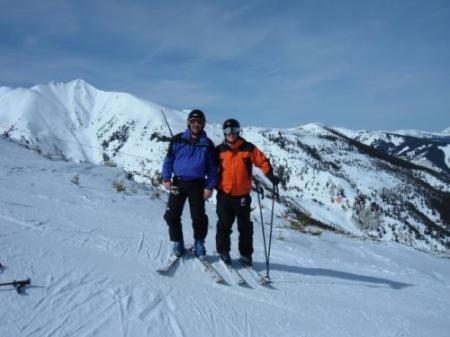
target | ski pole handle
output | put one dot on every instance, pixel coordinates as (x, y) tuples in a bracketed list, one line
[(20, 285)]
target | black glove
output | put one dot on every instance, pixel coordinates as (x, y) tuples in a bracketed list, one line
[(273, 178)]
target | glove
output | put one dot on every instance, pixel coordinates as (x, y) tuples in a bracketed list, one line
[(273, 178)]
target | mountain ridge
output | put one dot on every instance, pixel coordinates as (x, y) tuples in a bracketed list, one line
[(329, 178)]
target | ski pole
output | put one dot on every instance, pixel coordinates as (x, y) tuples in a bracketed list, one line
[(174, 187), (167, 123), (274, 193), (18, 285), (262, 226)]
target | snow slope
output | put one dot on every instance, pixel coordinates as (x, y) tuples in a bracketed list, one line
[(340, 182), (91, 253)]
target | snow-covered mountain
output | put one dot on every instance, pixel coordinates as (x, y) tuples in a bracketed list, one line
[(446, 132), (350, 186), (330, 177), (78, 122), (91, 253), (423, 148)]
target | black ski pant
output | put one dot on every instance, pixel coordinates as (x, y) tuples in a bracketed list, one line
[(228, 209), (193, 191)]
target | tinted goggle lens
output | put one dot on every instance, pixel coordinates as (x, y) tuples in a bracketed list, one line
[(196, 121), (233, 130)]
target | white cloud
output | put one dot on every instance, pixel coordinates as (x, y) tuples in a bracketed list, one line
[(254, 56)]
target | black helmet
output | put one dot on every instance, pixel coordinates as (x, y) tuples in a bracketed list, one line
[(196, 114), (231, 126)]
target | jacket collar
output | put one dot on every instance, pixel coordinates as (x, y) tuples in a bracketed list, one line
[(236, 144), (201, 139)]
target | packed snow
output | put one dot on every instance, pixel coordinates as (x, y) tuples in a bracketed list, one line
[(91, 253)]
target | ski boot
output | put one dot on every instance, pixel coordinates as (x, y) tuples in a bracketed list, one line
[(246, 261), (225, 257), (178, 248), (199, 248)]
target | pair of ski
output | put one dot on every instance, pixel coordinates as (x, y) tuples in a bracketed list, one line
[(262, 280), (251, 270), (173, 259), (208, 267)]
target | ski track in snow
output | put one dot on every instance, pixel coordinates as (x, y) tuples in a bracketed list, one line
[(140, 243), (92, 253)]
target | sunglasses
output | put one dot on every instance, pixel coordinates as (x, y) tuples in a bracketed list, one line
[(233, 130), (196, 121)]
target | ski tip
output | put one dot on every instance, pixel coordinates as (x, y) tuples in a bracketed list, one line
[(244, 284)]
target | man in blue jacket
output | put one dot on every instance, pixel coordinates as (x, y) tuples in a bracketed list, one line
[(189, 172)]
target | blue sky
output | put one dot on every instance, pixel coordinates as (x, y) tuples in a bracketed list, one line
[(381, 64)]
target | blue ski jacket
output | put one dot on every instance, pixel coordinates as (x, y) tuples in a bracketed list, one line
[(189, 160)]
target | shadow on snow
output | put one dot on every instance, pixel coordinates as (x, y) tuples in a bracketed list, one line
[(332, 273)]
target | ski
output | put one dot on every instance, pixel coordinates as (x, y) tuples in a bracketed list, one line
[(210, 269), (172, 261), (164, 270), (168, 266), (262, 280), (239, 279)]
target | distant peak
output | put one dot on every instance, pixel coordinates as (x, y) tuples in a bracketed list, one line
[(71, 84), (313, 127), (80, 83), (446, 131)]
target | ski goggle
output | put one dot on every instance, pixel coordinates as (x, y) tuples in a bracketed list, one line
[(198, 121), (234, 130)]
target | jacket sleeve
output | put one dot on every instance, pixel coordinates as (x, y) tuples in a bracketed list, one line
[(167, 168), (261, 161), (211, 167)]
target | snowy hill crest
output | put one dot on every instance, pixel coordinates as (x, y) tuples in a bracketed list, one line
[(330, 178)]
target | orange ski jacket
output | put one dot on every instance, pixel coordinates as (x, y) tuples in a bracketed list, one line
[(236, 164)]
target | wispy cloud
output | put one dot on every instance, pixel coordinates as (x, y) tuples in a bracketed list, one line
[(311, 61), (193, 29), (187, 94)]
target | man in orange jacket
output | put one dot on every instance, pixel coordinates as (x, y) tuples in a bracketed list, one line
[(236, 157)]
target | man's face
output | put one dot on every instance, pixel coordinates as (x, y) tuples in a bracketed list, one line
[(196, 125), (231, 137)]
